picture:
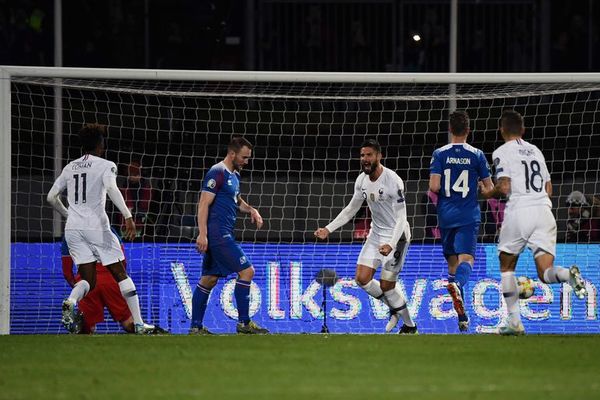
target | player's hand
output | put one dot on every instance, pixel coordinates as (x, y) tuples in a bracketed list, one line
[(130, 231), (385, 249), (255, 218), (202, 243), (484, 191), (322, 233)]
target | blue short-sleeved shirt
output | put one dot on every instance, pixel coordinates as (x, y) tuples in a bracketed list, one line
[(460, 166), (222, 213)]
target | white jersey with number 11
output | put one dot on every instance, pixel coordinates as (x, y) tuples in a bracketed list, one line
[(86, 179)]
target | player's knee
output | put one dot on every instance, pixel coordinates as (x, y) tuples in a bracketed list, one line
[(540, 274), (387, 285), (362, 280), (209, 281), (247, 274)]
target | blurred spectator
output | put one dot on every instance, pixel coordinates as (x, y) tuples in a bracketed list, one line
[(137, 192), (429, 204), (583, 224), (362, 224), (492, 221)]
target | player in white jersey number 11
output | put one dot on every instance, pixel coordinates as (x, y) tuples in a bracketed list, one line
[(389, 237), (88, 180)]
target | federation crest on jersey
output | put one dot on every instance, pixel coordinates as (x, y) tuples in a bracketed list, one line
[(400, 196), (211, 183), (380, 194), (243, 259)]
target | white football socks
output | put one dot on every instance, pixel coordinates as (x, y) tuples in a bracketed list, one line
[(397, 302), (133, 302), (374, 289), (556, 275), (78, 292), (511, 296)]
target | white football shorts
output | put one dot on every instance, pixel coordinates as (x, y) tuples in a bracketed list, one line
[(391, 265), (534, 227), (91, 246)]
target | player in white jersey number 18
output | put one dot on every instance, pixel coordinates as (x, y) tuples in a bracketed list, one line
[(523, 177)]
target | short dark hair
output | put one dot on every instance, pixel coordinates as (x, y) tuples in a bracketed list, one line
[(237, 143), (512, 122), (91, 135), (459, 122), (372, 143)]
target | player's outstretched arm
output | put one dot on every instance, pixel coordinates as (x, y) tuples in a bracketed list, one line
[(342, 218), (206, 199), (255, 216)]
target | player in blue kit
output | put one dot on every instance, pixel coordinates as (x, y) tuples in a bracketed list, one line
[(217, 212), (455, 172)]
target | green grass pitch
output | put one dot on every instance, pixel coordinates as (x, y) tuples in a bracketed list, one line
[(300, 367)]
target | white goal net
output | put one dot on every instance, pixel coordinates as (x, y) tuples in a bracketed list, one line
[(165, 129)]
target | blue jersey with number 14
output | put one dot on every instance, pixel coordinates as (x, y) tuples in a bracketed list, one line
[(460, 166)]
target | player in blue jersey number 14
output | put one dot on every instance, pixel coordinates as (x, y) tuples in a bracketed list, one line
[(456, 171)]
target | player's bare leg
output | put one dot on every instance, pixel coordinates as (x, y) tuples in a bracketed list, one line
[(72, 320), (129, 293), (510, 291), (548, 273), (199, 303), (242, 299)]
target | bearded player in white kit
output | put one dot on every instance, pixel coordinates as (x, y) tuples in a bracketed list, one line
[(88, 180), (389, 237), (523, 177)]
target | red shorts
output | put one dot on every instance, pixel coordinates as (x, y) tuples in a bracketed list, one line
[(107, 294)]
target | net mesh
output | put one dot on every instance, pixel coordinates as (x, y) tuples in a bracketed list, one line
[(164, 135)]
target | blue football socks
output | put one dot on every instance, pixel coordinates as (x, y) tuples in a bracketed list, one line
[(462, 276), (199, 302), (242, 300)]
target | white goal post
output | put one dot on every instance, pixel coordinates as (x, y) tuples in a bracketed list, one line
[(589, 81)]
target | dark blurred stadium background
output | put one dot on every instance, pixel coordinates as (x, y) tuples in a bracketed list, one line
[(334, 35), (288, 35)]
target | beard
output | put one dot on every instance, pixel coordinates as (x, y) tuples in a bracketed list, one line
[(369, 168), (237, 167)]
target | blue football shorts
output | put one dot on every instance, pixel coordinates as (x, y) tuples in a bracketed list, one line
[(460, 240), (224, 257)]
